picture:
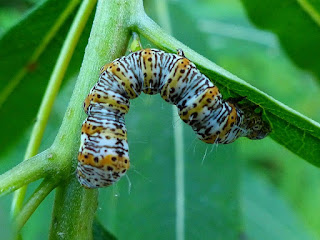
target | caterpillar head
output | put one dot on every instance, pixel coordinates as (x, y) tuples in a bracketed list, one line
[(256, 127)]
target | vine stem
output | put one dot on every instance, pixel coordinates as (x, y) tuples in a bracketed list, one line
[(52, 90)]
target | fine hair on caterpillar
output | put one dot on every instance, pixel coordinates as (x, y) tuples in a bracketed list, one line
[(104, 153)]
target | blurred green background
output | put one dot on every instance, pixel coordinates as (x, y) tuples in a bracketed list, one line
[(245, 190)]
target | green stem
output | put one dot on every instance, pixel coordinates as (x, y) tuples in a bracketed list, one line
[(75, 206), (74, 211), (26, 172), (52, 90), (6, 91), (37, 197)]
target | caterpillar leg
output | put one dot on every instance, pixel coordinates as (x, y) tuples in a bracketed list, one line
[(136, 44), (180, 52)]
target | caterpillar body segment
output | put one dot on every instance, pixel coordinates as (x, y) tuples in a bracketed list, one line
[(104, 154)]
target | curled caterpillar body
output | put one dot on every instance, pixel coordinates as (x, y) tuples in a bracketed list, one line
[(103, 155)]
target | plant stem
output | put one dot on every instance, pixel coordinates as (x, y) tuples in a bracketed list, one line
[(26, 172), (52, 90), (75, 206), (37, 197), (73, 213)]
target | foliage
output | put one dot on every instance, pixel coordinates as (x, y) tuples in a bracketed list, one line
[(213, 194), (287, 19)]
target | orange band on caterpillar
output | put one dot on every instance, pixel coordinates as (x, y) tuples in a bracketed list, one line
[(104, 154)]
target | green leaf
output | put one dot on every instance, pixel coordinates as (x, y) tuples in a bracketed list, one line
[(297, 25), (147, 209), (291, 129), (100, 233), (28, 52), (267, 215)]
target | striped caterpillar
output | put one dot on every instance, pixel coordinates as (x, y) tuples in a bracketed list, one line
[(104, 154)]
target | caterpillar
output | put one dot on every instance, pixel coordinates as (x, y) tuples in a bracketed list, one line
[(104, 153)]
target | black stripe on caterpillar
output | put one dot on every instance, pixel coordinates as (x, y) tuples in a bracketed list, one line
[(104, 154)]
